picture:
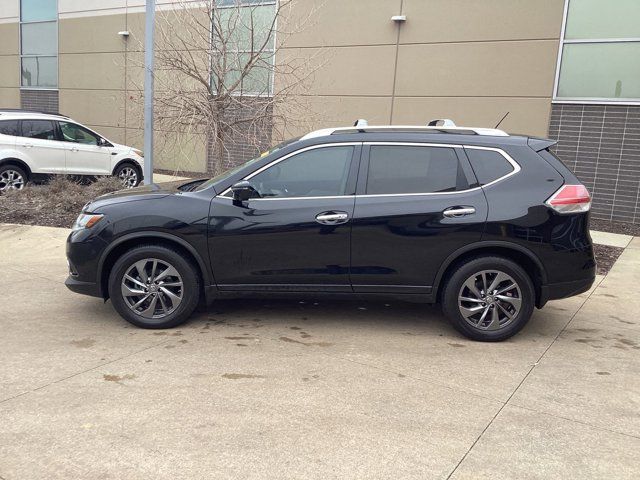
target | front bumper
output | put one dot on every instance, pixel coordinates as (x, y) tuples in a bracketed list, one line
[(83, 288)]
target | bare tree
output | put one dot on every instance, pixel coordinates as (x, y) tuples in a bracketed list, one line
[(223, 71)]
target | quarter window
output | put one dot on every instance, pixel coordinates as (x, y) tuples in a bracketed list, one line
[(9, 127), (488, 165), (320, 172), (414, 169), (42, 129), (77, 134)]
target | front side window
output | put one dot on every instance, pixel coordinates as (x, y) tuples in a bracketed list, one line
[(39, 43), (320, 172), (77, 134), (42, 129), (600, 51), (395, 169), (9, 127)]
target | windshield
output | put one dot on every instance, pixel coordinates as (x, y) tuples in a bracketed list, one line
[(232, 171)]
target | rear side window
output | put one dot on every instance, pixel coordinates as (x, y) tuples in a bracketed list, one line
[(488, 165), (413, 169), (42, 129), (9, 127)]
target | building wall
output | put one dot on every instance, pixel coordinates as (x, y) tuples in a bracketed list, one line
[(465, 60)]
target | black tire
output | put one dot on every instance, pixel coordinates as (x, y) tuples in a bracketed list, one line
[(13, 172), (525, 293), (190, 290), (127, 167)]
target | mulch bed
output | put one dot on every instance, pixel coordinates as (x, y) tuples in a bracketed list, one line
[(606, 256), (615, 227), (55, 204)]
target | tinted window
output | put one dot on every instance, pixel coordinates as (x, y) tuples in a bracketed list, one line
[(488, 165), (319, 172), (77, 134), (412, 169), (9, 127), (42, 129)]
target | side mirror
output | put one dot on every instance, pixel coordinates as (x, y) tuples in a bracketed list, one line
[(102, 142), (243, 191)]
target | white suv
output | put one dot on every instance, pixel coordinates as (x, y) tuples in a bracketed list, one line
[(36, 145)]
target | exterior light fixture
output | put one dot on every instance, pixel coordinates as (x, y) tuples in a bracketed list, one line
[(399, 18)]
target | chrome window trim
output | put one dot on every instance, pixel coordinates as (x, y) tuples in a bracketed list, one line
[(512, 162)]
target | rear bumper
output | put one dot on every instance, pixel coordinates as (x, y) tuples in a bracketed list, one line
[(84, 288), (555, 291)]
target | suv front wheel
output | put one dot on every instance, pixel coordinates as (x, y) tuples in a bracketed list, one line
[(128, 175), (153, 286), (489, 298)]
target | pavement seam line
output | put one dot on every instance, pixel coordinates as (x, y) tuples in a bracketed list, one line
[(524, 379), (85, 371)]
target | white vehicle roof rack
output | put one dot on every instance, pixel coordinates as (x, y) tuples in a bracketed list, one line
[(443, 125)]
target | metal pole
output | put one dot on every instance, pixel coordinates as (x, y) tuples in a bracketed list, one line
[(148, 91)]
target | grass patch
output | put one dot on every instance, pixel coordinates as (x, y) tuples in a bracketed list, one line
[(54, 204)]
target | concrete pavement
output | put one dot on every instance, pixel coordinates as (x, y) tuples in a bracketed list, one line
[(308, 389)]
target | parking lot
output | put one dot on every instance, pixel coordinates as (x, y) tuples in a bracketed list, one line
[(312, 389)]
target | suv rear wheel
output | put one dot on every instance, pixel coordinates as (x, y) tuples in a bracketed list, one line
[(489, 298), (153, 286), (12, 178)]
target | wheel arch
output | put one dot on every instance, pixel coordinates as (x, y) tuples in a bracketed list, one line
[(130, 161), (517, 253), (127, 242), (16, 162)]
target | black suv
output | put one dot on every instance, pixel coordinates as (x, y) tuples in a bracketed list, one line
[(489, 225)]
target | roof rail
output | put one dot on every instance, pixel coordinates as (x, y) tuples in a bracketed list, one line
[(26, 112), (406, 129)]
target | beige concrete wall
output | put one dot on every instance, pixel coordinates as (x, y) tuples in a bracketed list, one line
[(467, 60), (101, 76), (9, 57)]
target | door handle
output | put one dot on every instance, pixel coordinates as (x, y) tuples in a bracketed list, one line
[(332, 218), (74, 149), (27, 145), (454, 212)]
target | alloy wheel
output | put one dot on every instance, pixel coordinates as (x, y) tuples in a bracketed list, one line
[(129, 177), (152, 288), (489, 300), (11, 180)]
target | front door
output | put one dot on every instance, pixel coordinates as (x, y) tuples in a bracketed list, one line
[(416, 205), (40, 144), (83, 153), (296, 235)]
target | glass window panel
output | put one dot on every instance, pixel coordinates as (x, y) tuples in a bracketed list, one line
[(258, 79), (315, 173), (590, 19), (40, 38), (600, 70), (40, 71), (246, 26), (42, 129), (72, 132), (399, 169), (229, 3), (38, 10), (488, 165), (9, 127)]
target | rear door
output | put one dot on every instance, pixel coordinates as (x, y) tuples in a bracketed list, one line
[(39, 142), (415, 205), (83, 153)]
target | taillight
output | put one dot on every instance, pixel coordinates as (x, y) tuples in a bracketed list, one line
[(570, 199)]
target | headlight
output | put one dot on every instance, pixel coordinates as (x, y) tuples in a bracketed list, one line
[(86, 220), (138, 152)]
